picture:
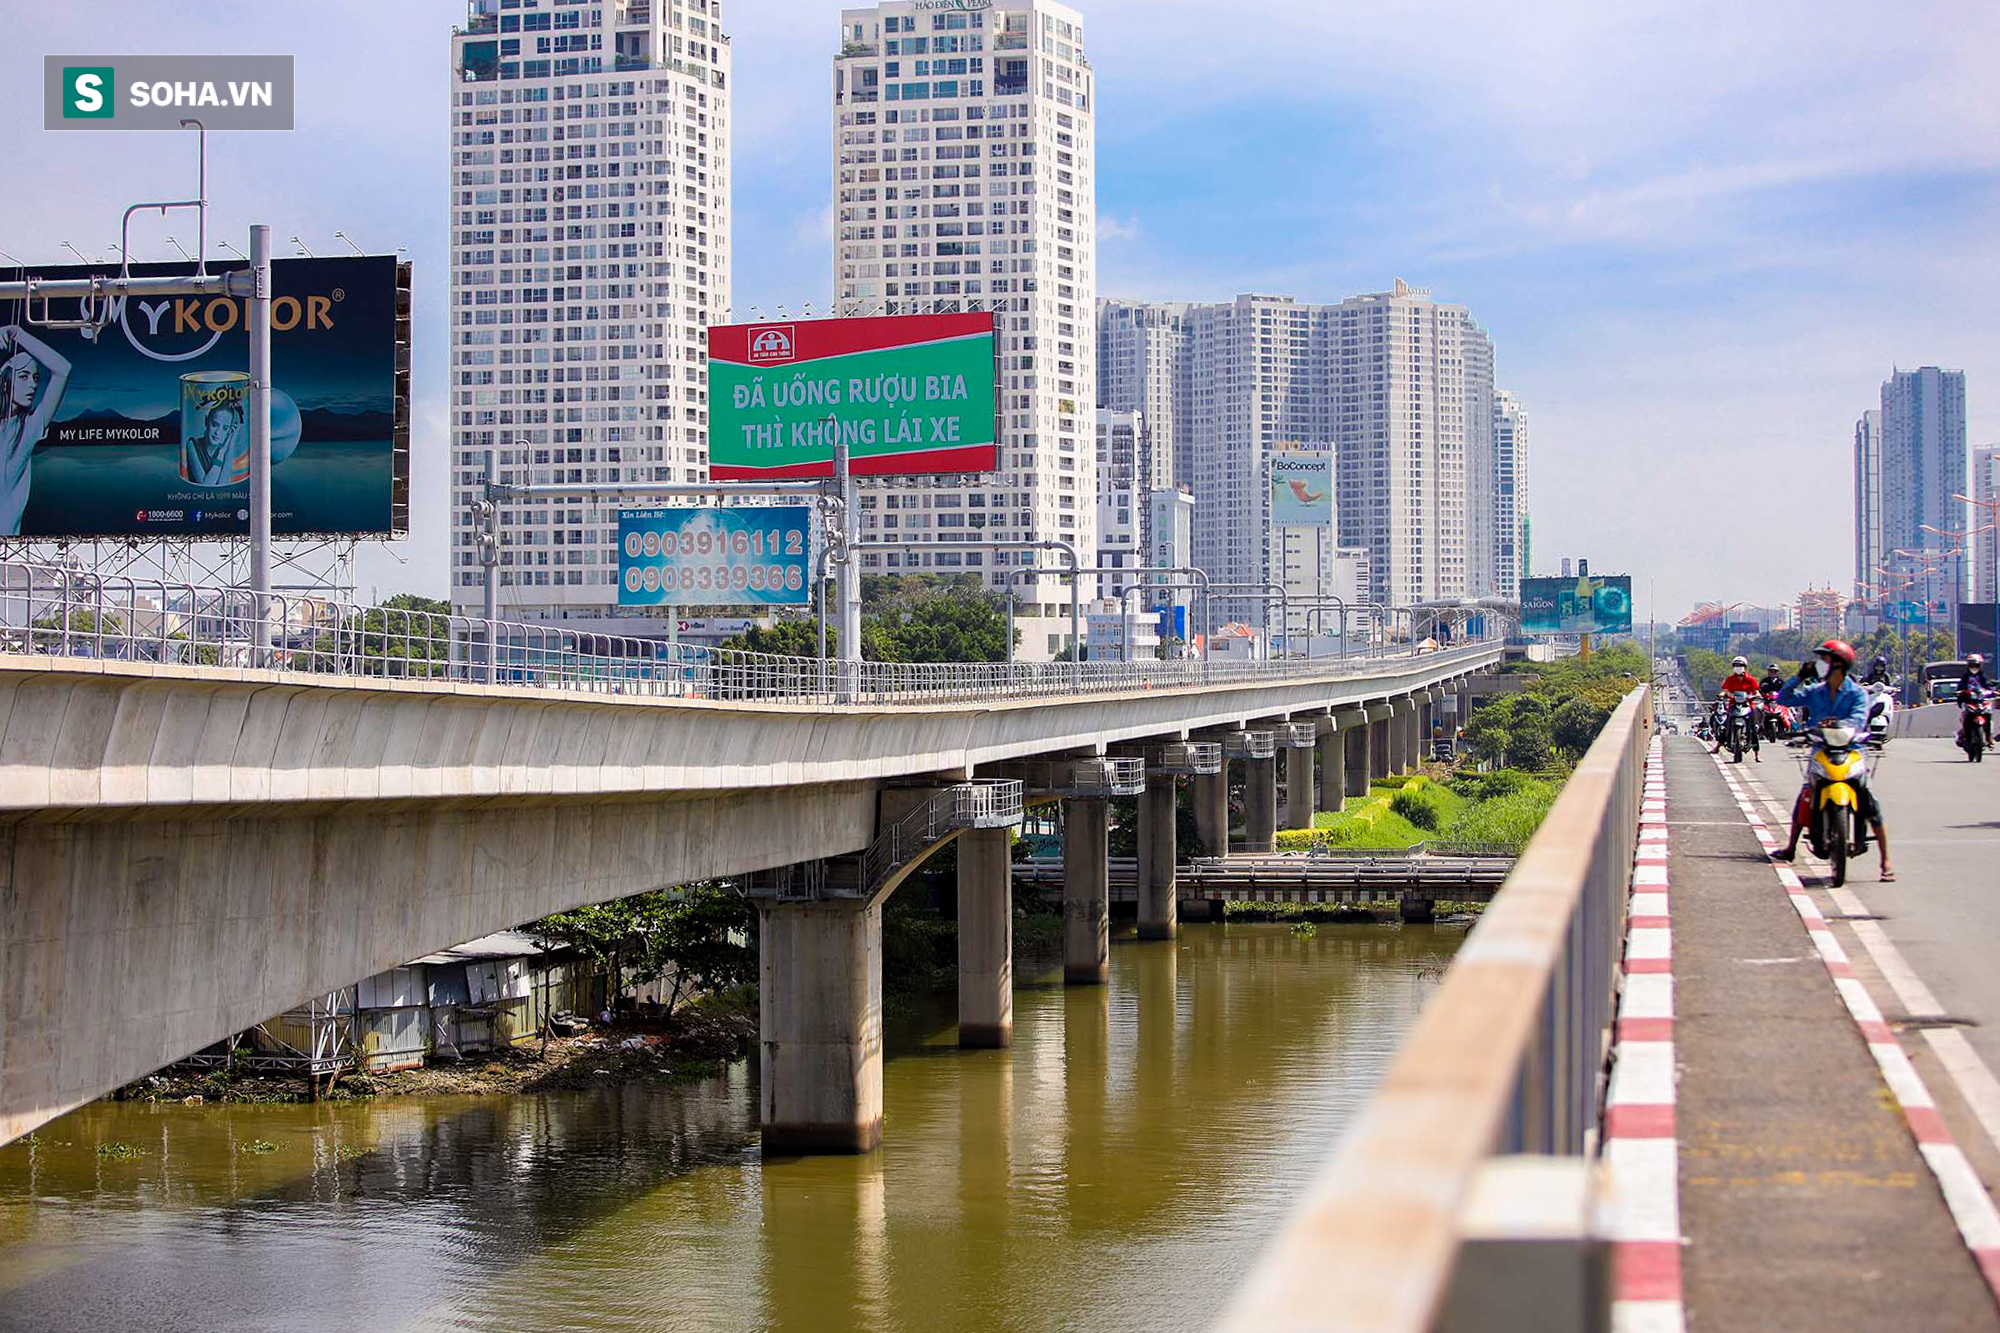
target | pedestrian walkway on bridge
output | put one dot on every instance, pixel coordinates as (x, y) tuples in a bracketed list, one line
[(1798, 1134)]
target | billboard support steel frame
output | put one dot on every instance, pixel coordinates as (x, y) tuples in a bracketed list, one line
[(254, 285)]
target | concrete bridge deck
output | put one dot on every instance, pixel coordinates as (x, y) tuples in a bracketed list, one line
[(186, 850)]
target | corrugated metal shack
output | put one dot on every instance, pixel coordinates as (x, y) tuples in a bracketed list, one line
[(490, 992)]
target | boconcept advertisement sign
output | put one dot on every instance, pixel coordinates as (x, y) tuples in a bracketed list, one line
[(143, 429)]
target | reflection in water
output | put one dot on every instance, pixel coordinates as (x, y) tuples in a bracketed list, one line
[(1115, 1170)]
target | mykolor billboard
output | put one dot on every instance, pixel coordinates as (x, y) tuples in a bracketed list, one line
[(1586, 605), (1302, 490), (715, 557), (908, 393), (142, 430)]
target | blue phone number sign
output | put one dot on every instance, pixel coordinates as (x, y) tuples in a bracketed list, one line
[(714, 557)]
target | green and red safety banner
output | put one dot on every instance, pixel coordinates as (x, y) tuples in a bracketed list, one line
[(908, 394)]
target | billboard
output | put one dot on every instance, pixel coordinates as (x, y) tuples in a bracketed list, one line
[(141, 431), (1577, 605), (908, 393), (715, 557), (1302, 490)]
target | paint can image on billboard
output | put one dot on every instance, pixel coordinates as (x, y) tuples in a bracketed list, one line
[(215, 434)]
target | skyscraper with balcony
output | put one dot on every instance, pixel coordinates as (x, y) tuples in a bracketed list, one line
[(1509, 503), (1923, 467), (590, 251), (965, 180), (1397, 386), (1986, 545)]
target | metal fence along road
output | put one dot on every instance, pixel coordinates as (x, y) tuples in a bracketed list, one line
[(54, 611)]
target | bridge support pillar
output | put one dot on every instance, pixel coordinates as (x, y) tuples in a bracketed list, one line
[(1086, 891), (1332, 769), (1381, 728), (1211, 811), (820, 1027), (1360, 756), (1298, 789), (1260, 805), (1413, 726), (1159, 908), (985, 939)]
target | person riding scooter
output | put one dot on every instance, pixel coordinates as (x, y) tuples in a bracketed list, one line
[(1831, 697), (1973, 686), (1739, 681)]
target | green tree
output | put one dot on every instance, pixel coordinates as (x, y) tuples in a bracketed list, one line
[(915, 618), (702, 935), (786, 638), (1575, 725)]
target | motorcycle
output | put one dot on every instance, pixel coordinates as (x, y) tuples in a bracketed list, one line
[(1975, 717), (1836, 774), (1881, 712), (1742, 723), (1777, 717)]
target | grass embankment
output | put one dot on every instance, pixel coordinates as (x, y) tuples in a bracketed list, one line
[(1504, 808)]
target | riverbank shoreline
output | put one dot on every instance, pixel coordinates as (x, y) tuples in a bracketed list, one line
[(693, 1045)]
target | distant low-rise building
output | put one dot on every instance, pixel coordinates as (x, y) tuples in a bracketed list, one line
[(1821, 613)]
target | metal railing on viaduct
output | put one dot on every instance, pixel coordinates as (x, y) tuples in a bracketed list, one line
[(1466, 1195), (55, 611), (232, 809)]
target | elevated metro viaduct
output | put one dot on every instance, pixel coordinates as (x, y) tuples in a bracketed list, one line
[(186, 850)]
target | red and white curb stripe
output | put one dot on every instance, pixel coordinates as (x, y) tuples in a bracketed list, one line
[(1641, 1150), (1971, 1207)]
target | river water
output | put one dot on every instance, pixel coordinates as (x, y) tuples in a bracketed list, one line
[(1117, 1169)]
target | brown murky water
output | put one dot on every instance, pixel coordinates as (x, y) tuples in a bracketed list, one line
[(1115, 1170)]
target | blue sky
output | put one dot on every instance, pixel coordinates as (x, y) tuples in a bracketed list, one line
[(1700, 233)]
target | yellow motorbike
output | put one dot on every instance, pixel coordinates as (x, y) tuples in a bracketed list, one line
[(1837, 775)]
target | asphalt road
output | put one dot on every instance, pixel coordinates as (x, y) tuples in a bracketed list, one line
[(1943, 912), (1805, 1202)]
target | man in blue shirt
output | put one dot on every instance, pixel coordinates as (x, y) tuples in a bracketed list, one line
[(1832, 698)]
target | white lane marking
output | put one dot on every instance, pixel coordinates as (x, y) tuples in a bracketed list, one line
[(1648, 904), (1647, 1317), (1975, 1081), (1648, 995), (1645, 1189), (1643, 1075), (1859, 1002), (1647, 942), (1901, 1075), (1649, 875), (1970, 1074), (1970, 1205)]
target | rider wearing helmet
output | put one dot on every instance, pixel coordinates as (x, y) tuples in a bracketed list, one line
[(1774, 679), (1739, 678), (1973, 684), (1878, 672), (1832, 697)]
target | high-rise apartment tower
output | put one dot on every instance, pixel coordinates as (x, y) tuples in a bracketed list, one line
[(590, 235), (1923, 467), (965, 179)]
